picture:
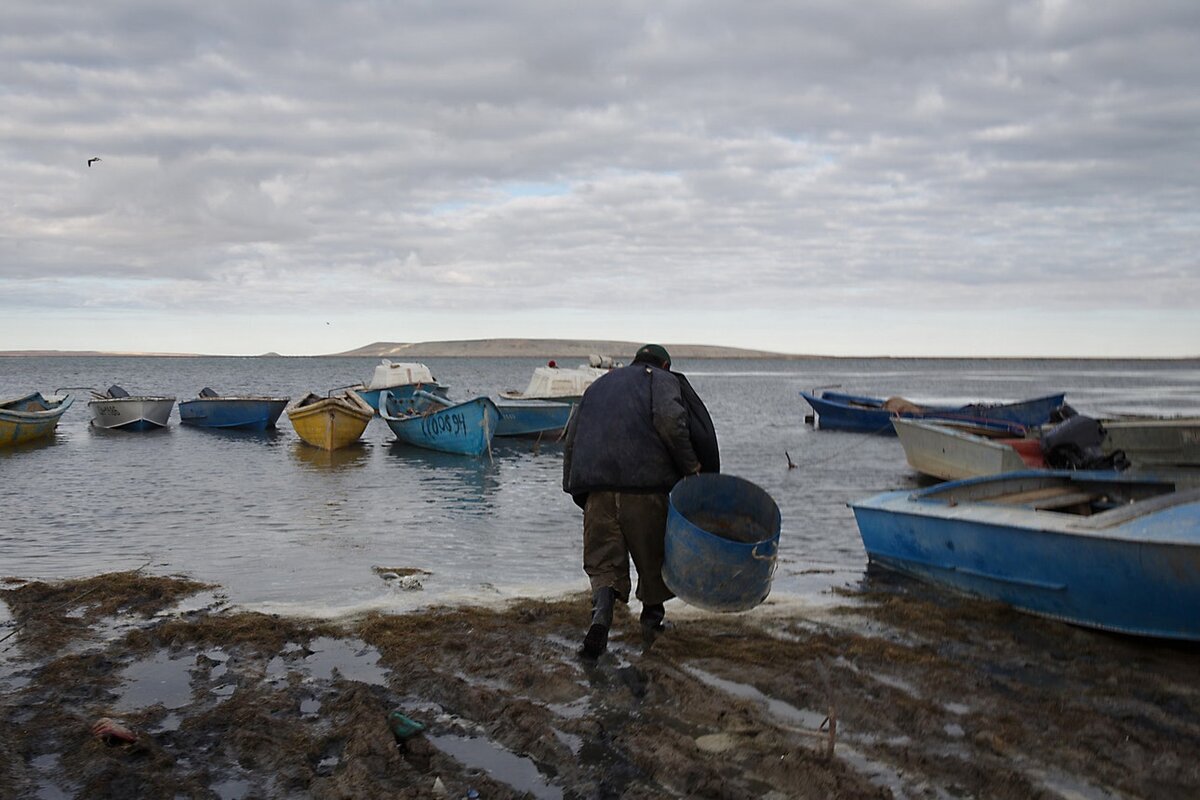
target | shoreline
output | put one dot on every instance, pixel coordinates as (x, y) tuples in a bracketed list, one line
[(931, 695)]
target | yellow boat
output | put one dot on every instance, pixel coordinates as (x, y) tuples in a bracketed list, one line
[(30, 416), (330, 422)]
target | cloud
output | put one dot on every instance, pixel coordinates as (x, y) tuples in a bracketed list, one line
[(530, 158)]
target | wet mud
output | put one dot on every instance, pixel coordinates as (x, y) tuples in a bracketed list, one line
[(928, 696)]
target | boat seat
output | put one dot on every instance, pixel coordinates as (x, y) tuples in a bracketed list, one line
[(207, 392), (116, 391)]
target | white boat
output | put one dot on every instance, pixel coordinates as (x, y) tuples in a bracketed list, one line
[(951, 451), (115, 408), (565, 384), (1155, 442), (401, 378)]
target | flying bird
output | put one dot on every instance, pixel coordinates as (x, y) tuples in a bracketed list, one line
[(93, 158)]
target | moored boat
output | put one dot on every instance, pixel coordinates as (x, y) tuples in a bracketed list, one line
[(526, 417), (564, 384), (213, 410), (330, 422), (848, 412), (401, 379), (116, 409), (1098, 549), (950, 450), (1153, 442), (31, 416), (436, 423)]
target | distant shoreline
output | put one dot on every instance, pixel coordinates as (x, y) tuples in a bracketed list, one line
[(565, 349)]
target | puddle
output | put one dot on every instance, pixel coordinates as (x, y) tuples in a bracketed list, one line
[(886, 776), (1069, 787), (47, 789), (309, 706), (955, 730), (169, 723), (354, 660), (957, 708), (164, 679), (573, 742), (798, 717), (898, 683), (518, 772)]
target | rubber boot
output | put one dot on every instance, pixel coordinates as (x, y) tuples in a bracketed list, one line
[(596, 640), (652, 623)]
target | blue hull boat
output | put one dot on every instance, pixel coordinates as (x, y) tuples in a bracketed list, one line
[(848, 412), (399, 378), (211, 410), (435, 423), (1097, 549), (543, 418)]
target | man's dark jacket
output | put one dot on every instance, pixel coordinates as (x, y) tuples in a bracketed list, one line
[(631, 433)]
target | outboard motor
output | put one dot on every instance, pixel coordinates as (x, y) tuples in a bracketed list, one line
[(1075, 443), (115, 391)]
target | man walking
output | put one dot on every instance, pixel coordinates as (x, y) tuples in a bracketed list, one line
[(636, 432)]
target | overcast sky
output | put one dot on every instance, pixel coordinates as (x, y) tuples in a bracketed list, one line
[(897, 178)]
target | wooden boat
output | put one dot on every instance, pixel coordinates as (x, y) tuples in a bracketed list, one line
[(330, 422), (399, 378), (952, 450), (848, 412), (213, 410), (433, 422), (116, 409), (541, 418), (31, 416), (1153, 442), (1098, 549), (564, 384)]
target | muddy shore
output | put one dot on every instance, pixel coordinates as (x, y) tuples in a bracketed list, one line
[(932, 696)]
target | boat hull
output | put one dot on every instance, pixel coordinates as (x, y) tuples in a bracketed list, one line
[(844, 412), (545, 418), (245, 413), (1161, 442), (949, 453), (331, 423), (131, 413), (1140, 577), (465, 428), (371, 396), (31, 417)]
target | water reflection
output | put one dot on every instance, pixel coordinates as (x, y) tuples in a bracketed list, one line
[(454, 481), (354, 455)]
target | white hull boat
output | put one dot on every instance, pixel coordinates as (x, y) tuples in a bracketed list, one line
[(116, 409)]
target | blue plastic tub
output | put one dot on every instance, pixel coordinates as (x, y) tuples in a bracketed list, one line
[(721, 542)]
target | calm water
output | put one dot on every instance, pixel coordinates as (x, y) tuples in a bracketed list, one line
[(285, 527)]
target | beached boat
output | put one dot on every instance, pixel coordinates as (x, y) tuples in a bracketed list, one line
[(400, 378), (330, 422), (213, 410), (1153, 442), (848, 412), (31, 416), (433, 422), (116, 409), (565, 384), (540, 418), (1097, 549), (951, 450)]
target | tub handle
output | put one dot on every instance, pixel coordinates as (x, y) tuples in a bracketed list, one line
[(754, 552)]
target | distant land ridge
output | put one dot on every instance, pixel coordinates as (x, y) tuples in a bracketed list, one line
[(547, 348)]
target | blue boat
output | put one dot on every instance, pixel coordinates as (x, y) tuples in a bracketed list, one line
[(431, 421), (849, 412), (401, 379), (213, 410), (1098, 549), (540, 418)]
